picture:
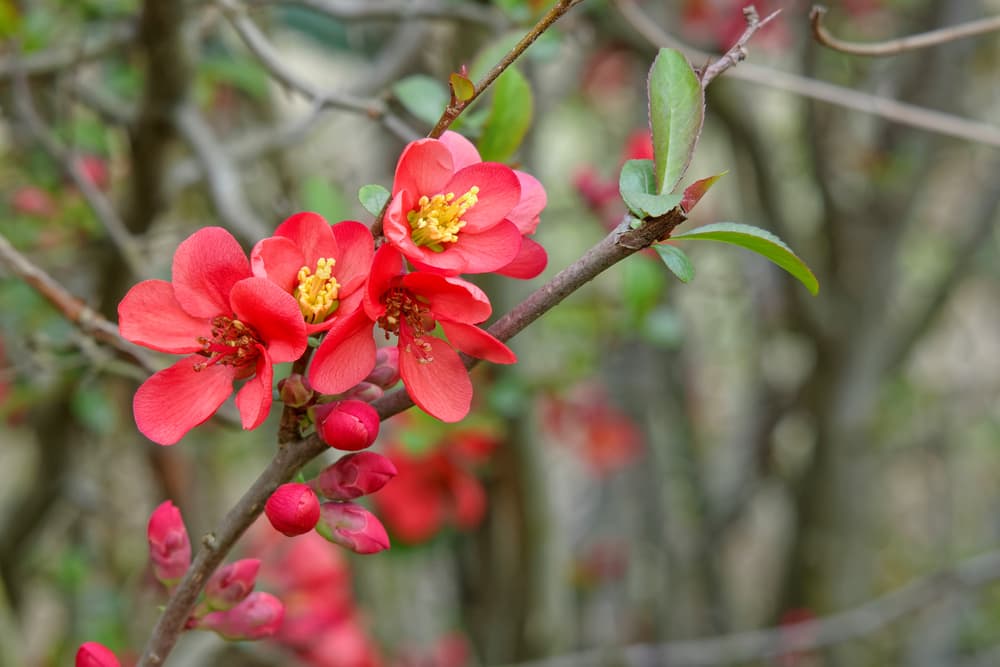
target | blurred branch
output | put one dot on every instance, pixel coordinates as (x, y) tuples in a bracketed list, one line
[(56, 60), (892, 47), (110, 108), (737, 53), (66, 160), (402, 10), (224, 186), (861, 621), (73, 309), (899, 112)]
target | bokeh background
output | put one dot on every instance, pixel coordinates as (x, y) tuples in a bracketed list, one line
[(668, 465)]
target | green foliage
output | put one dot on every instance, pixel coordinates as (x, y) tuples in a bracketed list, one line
[(760, 241), (676, 260), (676, 113), (463, 88), (509, 118), (373, 197), (423, 96), (320, 196), (240, 72), (637, 186)]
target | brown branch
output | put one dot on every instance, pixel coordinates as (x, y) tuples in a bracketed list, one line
[(737, 53), (892, 47), (898, 112), (73, 309)]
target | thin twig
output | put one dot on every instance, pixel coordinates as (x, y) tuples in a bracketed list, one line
[(737, 53), (892, 47), (57, 60), (898, 112), (73, 309), (399, 10)]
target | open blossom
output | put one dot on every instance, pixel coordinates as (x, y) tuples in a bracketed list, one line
[(411, 305), (453, 213), (234, 326)]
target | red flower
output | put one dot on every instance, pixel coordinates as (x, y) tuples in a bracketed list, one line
[(410, 305), (453, 213), (233, 325)]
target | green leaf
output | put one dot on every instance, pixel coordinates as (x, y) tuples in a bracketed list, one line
[(642, 285), (423, 96), (462, 87), (637, 186), (320, 196), (509, 118), (676, 113), (373, 197), (760, 241), (676, 260)]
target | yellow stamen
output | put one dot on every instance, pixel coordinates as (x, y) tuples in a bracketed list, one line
[(439, 218), (318, 292)]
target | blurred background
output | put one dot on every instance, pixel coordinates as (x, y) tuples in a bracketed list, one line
[(669, 466)]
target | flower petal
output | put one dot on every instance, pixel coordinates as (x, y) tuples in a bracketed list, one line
[(274, 315), (450, 298), (463, 152), (530, 261), (477, 343), (150, 316), (206, 266), (440, 387), (499, 192), (424, 168), (357, 248), (175, 400), (278, 259), (311, 233), (345, 357), (533, 200), (387, 266), (254, 399), (488, 250)]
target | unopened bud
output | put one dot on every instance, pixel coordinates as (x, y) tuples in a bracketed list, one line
[(295, 391), (258, 616), (354, 475), (386, 371), (352, 527), (349, 425), (365, 392), (169, 547), (293, 509), (231, 584), (92, 654)]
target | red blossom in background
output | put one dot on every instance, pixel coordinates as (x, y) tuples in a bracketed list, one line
[(92, 654), (233, 326)]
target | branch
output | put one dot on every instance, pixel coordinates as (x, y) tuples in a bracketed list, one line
[(57, 60), (898, 112), (892, 47), (73, 309), (737, 53), (861, 621), (400, 10)]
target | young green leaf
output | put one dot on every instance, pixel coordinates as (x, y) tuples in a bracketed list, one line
[(676, 113), (637, 186), (461, 86), (373, 197), (423, 96), (676, 260), (694, 192), (760, 241), (510, 116)]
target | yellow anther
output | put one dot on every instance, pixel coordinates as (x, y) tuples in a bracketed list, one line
[(318, 291), (439, 218)]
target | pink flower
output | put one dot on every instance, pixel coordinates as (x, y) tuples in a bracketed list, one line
[(169, 546), (233, 326), (349, 425), (352, 527), (450, 212), (293, 509), (354, 475), (231, 584), (411, 305), (258, 616), (92, 654)]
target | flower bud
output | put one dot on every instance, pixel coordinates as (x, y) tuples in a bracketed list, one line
[(352, 527), (92, 654), (386, 371), (354, 475), (365, 392), (258, 616), (295, 391), (349, 425), (169, 547), (293, 509), (231, 584)]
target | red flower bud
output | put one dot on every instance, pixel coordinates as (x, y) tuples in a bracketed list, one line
[(352, 527), (35, 201), (258, 616), (92, 654), (231, 584), (169, 547), (386, 371), (354, 475), (295, 391), (293, 509), (349, 425)]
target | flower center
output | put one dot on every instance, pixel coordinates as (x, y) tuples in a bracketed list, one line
[(410, 319), (232, 344), (439, 218), (318, 291)]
